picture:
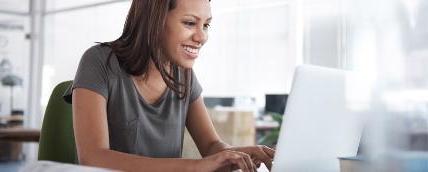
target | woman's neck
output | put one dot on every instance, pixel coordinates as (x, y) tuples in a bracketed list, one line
[(151, 84)]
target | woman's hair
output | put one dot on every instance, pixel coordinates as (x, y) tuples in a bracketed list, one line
[(141, 40)]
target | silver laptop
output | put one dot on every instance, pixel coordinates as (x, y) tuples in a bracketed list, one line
[(318, 125)]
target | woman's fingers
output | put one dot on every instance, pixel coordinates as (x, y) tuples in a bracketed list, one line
[(256, 162), (249, 163), (269, 151), (241, 160), (240, 163), (258, 154)]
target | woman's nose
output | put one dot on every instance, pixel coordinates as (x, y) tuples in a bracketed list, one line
[(200, 36)]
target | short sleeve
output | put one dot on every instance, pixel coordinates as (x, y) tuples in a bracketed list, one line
[(196, 89), (91, 73)]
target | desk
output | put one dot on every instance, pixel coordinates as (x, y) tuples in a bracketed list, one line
[(19, 134), (51, 166), (262, 125), (11, 139), (13, 130), (11, 118)]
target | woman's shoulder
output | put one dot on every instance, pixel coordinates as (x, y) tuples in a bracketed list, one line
[(100, 50), (100, 55)]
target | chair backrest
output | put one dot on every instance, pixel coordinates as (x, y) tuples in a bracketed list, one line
[(57, 137)]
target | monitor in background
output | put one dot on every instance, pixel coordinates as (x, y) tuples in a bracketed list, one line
[(317, 127), (211, 102), (275, 103)]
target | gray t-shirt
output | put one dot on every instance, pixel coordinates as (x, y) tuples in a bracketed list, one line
[(136, 127)]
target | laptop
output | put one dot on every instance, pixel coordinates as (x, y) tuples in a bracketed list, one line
[(318, 125)]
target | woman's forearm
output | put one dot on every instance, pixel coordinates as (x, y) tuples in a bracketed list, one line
[(215, 147), (126, 162)]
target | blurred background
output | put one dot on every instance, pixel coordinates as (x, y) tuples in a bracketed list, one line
[(246, 68)]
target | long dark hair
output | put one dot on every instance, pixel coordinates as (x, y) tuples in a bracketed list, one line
[(141, 41)]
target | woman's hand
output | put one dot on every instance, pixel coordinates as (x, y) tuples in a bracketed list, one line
[(226, 161), (258, 154)]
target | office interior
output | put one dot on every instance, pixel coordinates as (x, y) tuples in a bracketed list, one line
[(246, 68)]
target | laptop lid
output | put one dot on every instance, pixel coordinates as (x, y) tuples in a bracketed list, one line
[(318, 127)]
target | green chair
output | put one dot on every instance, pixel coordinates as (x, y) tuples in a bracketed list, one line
[(57, 137)]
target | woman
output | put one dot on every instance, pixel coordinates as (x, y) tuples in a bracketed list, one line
[(132, 97)]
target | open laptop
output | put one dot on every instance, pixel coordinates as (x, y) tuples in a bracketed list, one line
[(318, 127)]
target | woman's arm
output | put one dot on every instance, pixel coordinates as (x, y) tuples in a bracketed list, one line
[(201, 129), (208, 142)]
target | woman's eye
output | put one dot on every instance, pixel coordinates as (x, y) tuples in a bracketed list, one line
[(207, 26), (189, 23)]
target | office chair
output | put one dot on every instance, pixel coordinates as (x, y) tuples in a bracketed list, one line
[(57, 137)]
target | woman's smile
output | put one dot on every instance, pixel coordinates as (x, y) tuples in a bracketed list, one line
[(191, 52)]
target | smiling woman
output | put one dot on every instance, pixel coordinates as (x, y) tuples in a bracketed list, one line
[(133, 97), (186, 30)]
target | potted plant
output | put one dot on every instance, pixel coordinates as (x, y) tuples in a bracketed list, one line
[(271, 138)]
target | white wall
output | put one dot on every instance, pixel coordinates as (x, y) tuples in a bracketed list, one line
[(247, 51), (14, 5), (69, 34)]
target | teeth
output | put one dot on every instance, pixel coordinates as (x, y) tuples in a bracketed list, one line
[(191, 50)]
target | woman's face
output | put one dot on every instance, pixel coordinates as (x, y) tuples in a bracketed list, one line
[(186, 30)]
